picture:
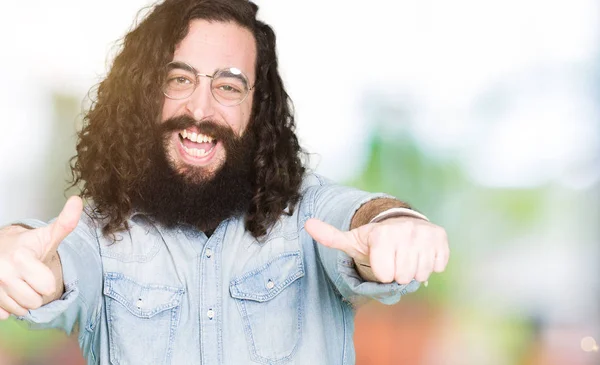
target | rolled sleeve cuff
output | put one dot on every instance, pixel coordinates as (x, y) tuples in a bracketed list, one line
[(357, 290)]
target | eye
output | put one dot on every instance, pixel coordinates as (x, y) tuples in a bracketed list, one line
[(181, 80), (229, 88)]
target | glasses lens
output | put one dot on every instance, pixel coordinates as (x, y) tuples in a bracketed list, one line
[(230, 86), (180, 82)]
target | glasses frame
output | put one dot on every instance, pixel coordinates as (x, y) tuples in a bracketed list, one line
[(197, 74)]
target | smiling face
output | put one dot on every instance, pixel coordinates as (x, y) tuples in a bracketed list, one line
[(128, 161), (208, 47)]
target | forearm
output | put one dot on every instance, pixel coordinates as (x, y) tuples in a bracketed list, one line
[(370, 210)]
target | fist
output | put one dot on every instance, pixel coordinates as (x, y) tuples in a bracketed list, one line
[(397, 249), (24, 277)]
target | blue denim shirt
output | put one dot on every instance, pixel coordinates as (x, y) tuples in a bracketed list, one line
[(174, 296)]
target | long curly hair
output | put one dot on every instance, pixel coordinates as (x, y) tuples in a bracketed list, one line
[(112, 147)]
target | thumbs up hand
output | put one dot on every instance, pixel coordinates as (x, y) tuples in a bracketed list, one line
[(24, 277), (397, 249)]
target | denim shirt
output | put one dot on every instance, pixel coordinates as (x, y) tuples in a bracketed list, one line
[(174, 296)]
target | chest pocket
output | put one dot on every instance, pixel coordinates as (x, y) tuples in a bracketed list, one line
[(142, 320), (270, 302)]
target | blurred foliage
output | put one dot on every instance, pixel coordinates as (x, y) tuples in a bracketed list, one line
[(20, 341), (477, 220)]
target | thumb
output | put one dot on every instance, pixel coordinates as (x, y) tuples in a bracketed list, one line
[(66, 222), (329, 236)]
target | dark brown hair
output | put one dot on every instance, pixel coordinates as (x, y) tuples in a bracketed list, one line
[(112, 146)]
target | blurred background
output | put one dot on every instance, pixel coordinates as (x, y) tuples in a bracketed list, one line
[(484, 115)]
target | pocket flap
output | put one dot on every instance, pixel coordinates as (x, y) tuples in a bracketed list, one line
[(267, 281), (142, 300)]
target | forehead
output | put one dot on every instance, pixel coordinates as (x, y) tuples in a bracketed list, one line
[(212, 45)]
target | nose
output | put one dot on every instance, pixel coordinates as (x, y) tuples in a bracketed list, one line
[(201, 103)]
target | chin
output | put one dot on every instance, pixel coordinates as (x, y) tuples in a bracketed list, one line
[(194, 173)]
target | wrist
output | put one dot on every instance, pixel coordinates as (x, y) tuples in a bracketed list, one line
[(371, 209), (397, 212)]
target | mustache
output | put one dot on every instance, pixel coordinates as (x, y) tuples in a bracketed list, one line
[(207, 127)]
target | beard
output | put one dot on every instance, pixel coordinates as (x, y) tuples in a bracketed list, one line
[(192, 195)]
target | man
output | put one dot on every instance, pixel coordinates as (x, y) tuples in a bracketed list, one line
[(206, 241)]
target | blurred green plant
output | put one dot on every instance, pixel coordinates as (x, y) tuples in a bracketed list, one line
[(18, 340), (476, 218)]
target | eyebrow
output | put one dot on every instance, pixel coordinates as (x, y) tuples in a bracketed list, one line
[(236, 76), (181, 65)]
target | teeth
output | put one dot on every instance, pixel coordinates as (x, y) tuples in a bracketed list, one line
[(196, 152), (195, 137)]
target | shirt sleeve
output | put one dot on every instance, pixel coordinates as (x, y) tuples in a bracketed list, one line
[(82, 277), (336, 205)]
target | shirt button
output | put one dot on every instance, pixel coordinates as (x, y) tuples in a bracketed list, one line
[(210, 314), (139, 303), (208, 253), (270, 284)]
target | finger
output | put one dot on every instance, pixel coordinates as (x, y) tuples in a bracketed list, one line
[(9, 305), (4, 315), (424, 266), (66, 222), (406, 265), (23, 295), (382, 258), (36, 274), (330, 236), (441, 261), (442, 252)]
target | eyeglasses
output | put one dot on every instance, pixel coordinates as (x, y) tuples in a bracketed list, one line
[(229, 86)]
